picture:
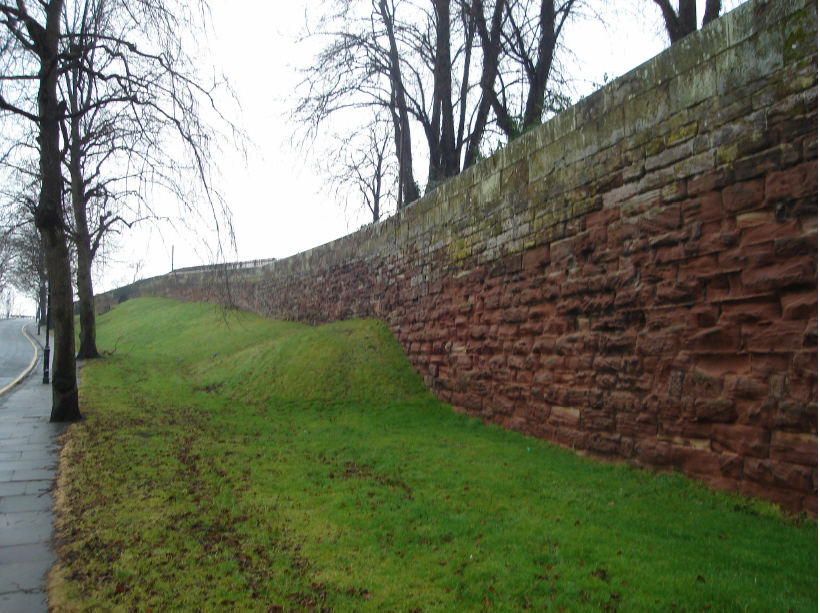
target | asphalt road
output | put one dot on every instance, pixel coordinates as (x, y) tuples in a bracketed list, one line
[(16, 350)]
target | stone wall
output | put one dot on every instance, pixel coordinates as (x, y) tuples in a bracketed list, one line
[(637, 278)]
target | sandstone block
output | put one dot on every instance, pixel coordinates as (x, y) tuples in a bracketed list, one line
[(779, 474), (683, 429), (569, 437), (792, 183), (731, 465), (653, 453), (747, 441), (748, 257), (698, 383), (800, 306), (603, 443), (789, 499), (718, 339), (775, 337), (719, 410), (794, 246), (723, 484), (693, 269), (718, 240), (763, 311), (597, 420), (500, 405), (744, 196), (677, 292), (707, 182), (622, 403), (516, 362), (536, 259), (749, 388), (564, 417), (695, 461), (767, 230), (795, 448)]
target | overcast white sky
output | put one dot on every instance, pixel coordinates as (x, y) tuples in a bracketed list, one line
[(278, 202)]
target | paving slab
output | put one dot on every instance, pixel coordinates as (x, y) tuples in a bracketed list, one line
[(29, 456)]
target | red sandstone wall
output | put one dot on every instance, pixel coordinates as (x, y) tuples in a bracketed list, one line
[(636, 279)]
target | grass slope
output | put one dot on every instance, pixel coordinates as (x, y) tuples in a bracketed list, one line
[(273, 466)]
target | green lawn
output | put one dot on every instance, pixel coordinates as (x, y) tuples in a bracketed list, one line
[(244, 464)]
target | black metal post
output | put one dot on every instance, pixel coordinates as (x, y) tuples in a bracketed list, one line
[(40, 306), (47, 350)]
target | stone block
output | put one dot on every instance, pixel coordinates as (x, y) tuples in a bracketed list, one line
[(711, 181), (763, 311), (780, 276), (775, 337), (801, 306), (692, 87), (747, 441), (762, 227), (637, 425), (795, 182), (745, 388), (564, 417), (779, 474), (653, 453), (795, 246), (603, 443), (718, 410), (795, 448), (718, 339), (748, 257), (684, 429), (678, 292), (744, 196), (695, 461), (731, 465), (597, 420)]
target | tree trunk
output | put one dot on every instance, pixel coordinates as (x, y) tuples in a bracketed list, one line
[(711, 12), (48, 218), (441, 138), (491, 47), (685, 21), (401, 120), (534, 109), (88, 317), (85, 253)]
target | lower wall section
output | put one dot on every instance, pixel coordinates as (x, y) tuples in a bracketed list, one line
[(636, 279)]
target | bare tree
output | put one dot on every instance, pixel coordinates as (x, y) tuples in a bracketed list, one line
[(446, 67), (31, 54), (147, 72), (6, 258), (365, 169), (522, 39), (26, 267), (7, 302), (133, 118)]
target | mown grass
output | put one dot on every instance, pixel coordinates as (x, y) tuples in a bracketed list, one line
[(273, 466)]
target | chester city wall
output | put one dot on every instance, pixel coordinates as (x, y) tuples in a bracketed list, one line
[(637, 278)]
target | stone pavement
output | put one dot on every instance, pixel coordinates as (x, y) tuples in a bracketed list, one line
[(28, 464)]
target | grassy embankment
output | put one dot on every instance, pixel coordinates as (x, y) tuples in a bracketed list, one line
[(274, 466)]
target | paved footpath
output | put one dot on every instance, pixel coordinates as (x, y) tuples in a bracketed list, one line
[(28, 464)]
